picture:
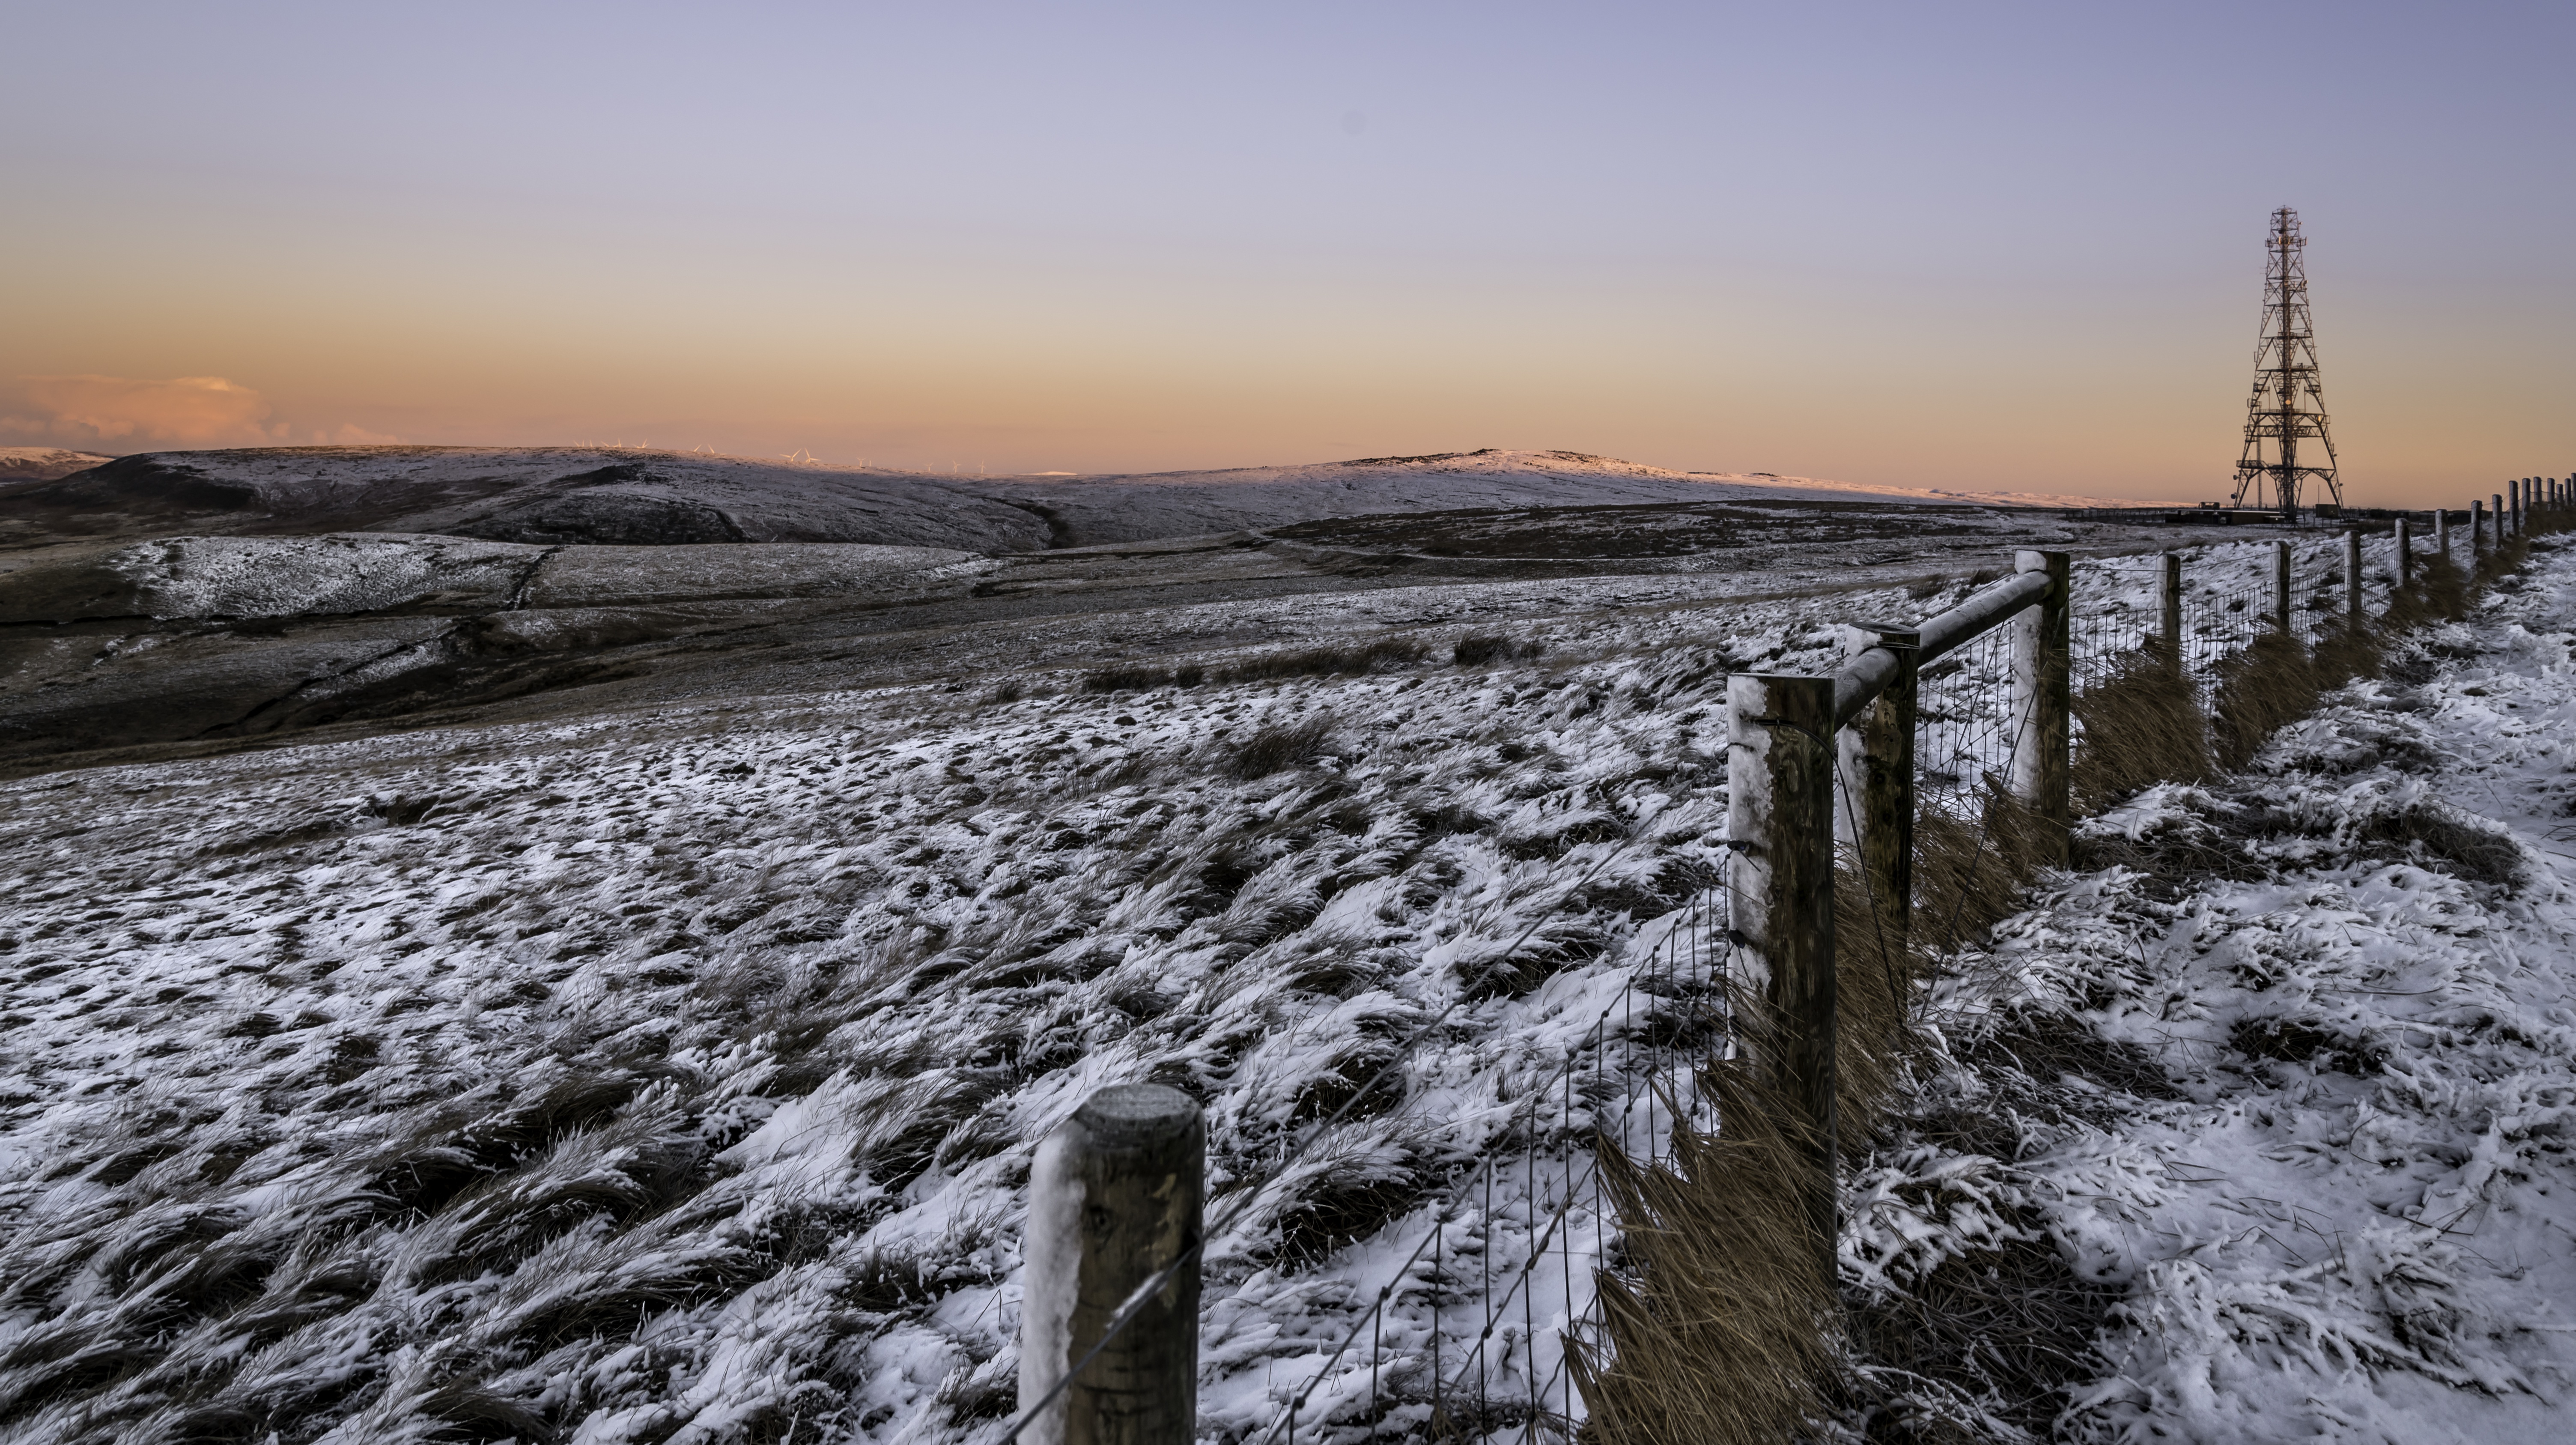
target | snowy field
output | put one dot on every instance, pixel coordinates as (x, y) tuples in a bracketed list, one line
[(673, 1075)]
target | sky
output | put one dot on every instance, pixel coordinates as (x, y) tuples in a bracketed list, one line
[(2013, 246)]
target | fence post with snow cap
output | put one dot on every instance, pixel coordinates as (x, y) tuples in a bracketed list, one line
[(1780, 758), (1115, 1202), (2043, 684)]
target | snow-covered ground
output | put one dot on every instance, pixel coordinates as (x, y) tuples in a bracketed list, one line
[(673, 1076), (2352, 1215)]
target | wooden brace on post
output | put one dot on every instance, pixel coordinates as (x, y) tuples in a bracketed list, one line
[(1779, 814), (1878, 778)]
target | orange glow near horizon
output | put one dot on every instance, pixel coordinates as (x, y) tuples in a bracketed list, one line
[(1168, 240)]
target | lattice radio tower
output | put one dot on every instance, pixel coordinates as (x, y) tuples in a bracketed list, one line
[(2288, 406)]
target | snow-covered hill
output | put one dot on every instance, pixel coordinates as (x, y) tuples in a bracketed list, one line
[(622, 496), (536, 495), (1129, 507), (44, 464)]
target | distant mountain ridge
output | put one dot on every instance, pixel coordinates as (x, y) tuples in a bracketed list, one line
[(620, 496), (43, 464)]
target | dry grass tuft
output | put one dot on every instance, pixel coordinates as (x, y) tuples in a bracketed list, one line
[(2259, 691), (1874, 977), (1483, 649), (1280, 745), (2140, 726), (1378, 656), (1727, 1332)]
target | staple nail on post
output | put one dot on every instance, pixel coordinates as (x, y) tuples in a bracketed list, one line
[(1779, 812), (2043, 695), (1114, 1199)]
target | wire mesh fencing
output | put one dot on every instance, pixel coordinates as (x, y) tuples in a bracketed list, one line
[(1964, 723), (1468, 1304)]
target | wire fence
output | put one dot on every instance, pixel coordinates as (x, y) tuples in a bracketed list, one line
[(1467, 1307), (1473, 1301)]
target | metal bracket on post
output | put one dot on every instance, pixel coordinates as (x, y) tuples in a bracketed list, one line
[(2043, 695), (1780, 793)]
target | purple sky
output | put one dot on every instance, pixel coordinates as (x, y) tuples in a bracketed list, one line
[(1950, 246)]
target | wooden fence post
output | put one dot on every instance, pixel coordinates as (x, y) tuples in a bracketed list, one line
[(2352, 576), (2405, 552), (2518, 487), (2043, 694), (2477, 529), (2442, 532), (2169, 607), (1878, 773), (2281, 588), (1114, 1198), (2499, 518), (1779, 813)]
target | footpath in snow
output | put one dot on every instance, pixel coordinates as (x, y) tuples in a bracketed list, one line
[(2329, 1187)]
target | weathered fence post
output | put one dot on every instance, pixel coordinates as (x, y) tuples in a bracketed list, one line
[(1878, 769), (2519, 487), (1779, 812), (2043, 694), (2442, 532), (2499, 517), (2352, 576), (2281, 587), (2405, 552), (2477, 529), (1114, 1199), (2169, 606)]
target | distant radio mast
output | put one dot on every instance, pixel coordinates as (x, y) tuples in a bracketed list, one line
[(2288, 406)]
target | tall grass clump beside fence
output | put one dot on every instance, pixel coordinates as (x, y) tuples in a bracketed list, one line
[(2137, 727), (1725, 1330)]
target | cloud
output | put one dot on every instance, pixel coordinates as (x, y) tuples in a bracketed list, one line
[(193, 411)]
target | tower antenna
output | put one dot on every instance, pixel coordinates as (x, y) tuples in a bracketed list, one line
[(2288, 405)]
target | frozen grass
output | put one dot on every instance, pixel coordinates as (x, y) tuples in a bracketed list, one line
[(675, 1077)]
